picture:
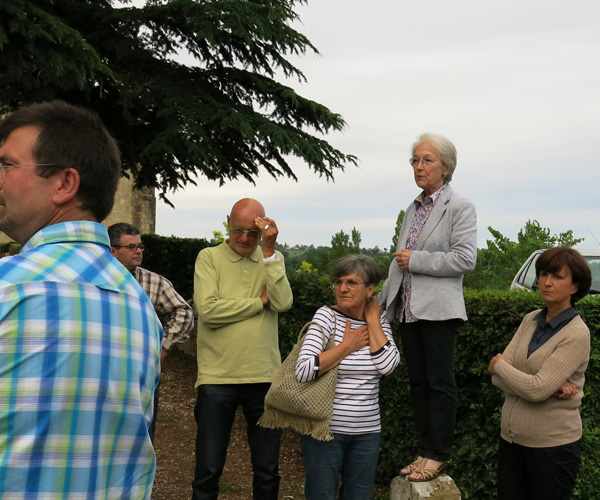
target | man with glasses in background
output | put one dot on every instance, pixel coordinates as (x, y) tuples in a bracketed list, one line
[(239, 289), (79, 340), (174, 312)]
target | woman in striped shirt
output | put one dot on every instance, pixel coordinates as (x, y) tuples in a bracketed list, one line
[(364, 351)]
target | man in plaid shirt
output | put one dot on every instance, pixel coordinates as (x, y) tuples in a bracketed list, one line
[(174, 312), (79, 340)]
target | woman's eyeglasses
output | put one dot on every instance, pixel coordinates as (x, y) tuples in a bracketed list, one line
[(351, 284), (426, 161)]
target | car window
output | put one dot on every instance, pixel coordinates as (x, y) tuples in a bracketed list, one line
[(594, 263), (527, 278)]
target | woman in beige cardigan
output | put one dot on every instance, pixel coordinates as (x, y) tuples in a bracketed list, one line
[(542, 375)]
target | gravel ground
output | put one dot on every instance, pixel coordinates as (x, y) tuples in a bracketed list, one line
[(176, 432)]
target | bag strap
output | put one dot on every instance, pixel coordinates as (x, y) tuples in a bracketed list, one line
[(305, 327)]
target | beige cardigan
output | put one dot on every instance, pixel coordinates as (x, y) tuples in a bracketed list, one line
[(531, 415)]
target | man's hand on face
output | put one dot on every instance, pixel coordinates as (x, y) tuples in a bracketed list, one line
[(268, 230)]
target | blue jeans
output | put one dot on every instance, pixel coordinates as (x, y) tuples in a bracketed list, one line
[(215, 411), (349, 457)]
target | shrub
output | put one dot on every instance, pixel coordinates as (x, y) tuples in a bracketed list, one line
[(10, 248), (312, 289), (174, 258)]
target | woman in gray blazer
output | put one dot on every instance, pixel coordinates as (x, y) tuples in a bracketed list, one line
[(437, 245)]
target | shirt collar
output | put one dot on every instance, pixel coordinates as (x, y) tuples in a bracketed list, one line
[(432, 198), (235, 257), (566, 315), (82, 231)]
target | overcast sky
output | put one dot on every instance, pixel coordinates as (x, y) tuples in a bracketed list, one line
[(515, 85)]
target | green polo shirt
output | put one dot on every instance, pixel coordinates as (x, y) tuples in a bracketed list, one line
[(237, 337)]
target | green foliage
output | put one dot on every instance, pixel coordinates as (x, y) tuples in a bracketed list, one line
[(224, 115), (499, 262), (174, 258), (294, 257), (324, 258), (42, 54), (219, 236), (356, 240), (10, 248), (397, 231), (344, 244), (312, 289), (588, 486)]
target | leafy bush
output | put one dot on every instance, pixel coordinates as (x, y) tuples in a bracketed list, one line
[(10, 248), (312, 289), (174, 258), (588, 482)]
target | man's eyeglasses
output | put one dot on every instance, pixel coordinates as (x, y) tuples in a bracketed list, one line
[(5, 165), (239, 231), (132, 247), (351, 284)]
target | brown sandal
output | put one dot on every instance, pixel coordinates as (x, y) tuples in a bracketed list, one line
[(414, 467), (429, 473)]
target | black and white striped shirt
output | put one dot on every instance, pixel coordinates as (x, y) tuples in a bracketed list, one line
[(356, 403)]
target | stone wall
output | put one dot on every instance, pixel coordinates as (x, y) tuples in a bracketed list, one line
[(135, 206)]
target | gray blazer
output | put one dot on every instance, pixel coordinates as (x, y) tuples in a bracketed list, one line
[(446, 250)]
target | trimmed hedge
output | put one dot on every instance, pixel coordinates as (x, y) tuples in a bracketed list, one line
[(174, 258)]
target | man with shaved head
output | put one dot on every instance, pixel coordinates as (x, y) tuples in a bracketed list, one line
[(239, 289)]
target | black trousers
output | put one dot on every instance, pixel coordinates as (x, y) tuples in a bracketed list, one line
[(429, 354), (537, 473), (215, 411)]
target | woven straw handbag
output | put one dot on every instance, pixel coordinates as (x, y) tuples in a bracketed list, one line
[(306, 407)]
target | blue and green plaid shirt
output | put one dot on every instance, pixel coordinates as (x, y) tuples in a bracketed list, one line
[(79, 361)]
